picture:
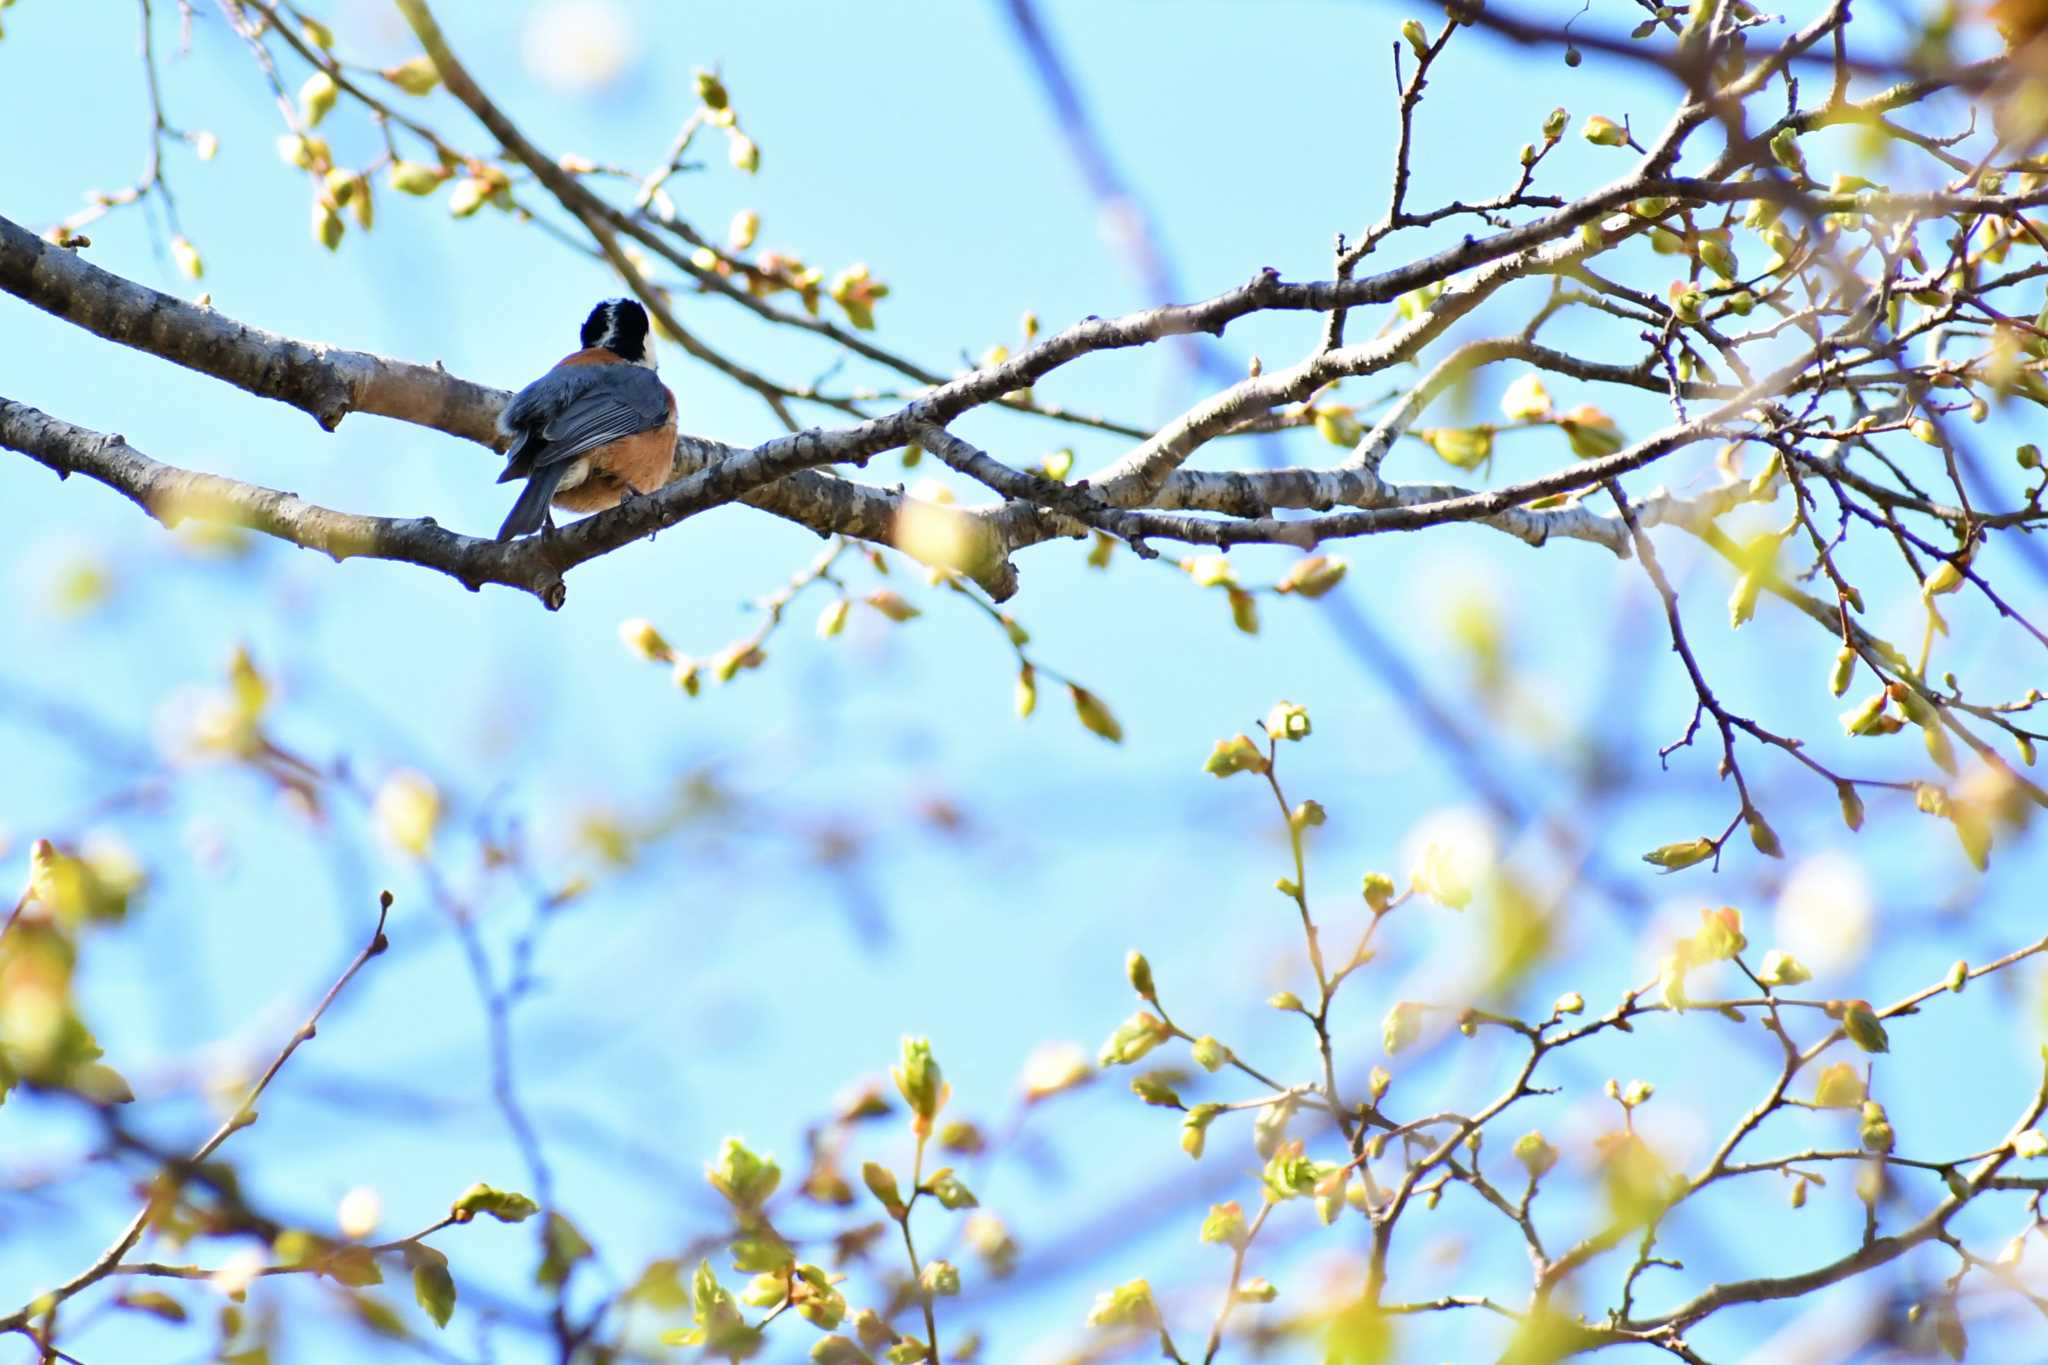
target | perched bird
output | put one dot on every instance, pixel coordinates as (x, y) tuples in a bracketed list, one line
[(597, 428)]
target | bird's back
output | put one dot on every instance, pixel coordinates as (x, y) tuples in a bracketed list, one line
[(540, 413)]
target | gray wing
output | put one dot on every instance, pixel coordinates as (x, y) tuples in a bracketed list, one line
[(571, 412), (588, 425)]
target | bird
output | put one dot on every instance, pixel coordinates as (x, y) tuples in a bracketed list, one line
[(596, 429)]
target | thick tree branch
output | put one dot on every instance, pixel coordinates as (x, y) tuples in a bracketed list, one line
[(325, 382), (534, 565), (1144, 493), (777, 476)]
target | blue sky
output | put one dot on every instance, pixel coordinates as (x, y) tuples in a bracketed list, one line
[(729, 983)]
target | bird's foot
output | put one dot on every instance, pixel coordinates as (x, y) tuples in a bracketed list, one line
[(633, 495)]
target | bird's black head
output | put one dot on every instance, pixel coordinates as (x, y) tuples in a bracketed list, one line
[(620, 326)]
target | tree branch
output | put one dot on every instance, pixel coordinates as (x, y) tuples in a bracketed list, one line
[(109, 1261)]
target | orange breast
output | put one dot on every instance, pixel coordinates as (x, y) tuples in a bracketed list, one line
[(642, 462)]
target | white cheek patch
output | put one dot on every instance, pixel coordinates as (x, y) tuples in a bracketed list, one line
[(611, 327)]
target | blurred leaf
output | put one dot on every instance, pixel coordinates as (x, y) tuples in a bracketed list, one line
[(353, 1266), (565, 1247), (155, 1303), (1095, 716), (434, 1288)]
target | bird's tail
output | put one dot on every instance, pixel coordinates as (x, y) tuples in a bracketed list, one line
[(532, 507)]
